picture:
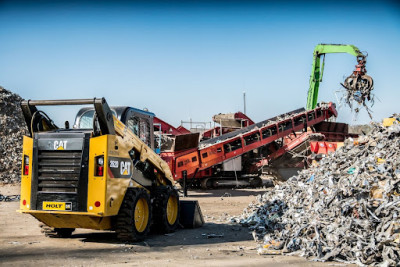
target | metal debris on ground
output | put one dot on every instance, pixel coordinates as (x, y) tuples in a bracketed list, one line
[(9, 198), (226, 195), (12, 129), (213, 235), (345, 209)]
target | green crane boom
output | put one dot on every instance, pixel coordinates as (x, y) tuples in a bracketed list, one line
[(317, 69)]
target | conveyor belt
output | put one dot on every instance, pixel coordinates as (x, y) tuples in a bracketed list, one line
[(260, 124), (231, 145)]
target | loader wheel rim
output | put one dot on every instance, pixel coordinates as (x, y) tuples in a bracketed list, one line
[(141, 215), (172, 209)]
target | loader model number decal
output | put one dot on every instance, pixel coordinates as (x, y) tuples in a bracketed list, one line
[(60, 145), (114, 164), (120, 167)]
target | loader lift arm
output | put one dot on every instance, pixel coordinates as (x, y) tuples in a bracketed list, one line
[(352, 82)]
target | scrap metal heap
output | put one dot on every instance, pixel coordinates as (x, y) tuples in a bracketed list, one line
[(345, 208), (12, 129)]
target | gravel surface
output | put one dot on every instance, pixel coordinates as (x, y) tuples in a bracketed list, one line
[(22, 243)]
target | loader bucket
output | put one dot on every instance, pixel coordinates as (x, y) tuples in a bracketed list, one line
[(191, 216)]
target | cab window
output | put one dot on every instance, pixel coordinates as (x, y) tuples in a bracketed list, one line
[(133, 125), (86, 120)]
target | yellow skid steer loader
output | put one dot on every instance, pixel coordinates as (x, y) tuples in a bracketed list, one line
[(98, 174)]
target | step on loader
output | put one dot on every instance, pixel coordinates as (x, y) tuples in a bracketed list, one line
[(98, 175)]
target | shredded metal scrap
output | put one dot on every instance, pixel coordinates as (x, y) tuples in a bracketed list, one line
[(358, 87), (9, 198), (346, 208), (12, 129)]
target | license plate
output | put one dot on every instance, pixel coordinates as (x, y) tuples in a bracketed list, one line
[(57, 206)]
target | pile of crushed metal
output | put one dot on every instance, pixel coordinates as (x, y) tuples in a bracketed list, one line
[(12, 129), (346, 208)]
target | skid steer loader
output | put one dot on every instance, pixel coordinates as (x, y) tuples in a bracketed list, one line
[(97, 175)]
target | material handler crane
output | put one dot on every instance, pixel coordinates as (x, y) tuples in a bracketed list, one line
[(358, 84)]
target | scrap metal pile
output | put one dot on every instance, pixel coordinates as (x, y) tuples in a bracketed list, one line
[(12, 129), (346, 208)]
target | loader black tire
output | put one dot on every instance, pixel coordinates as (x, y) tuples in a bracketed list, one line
[(134, 217), (56, 232), (166, 209)]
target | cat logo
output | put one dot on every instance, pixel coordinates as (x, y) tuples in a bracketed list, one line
[(125, 168), (60, 145)]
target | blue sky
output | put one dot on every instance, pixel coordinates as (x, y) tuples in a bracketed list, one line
[(194, 59)]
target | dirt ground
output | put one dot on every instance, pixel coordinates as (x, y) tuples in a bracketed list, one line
[(22, 243)]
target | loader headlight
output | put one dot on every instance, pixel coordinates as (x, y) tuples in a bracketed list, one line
[(100, 161)]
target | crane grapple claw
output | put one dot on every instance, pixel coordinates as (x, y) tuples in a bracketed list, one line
[(359, 85)]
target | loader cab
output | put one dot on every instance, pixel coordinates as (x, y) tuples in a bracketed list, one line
[(140, 122)]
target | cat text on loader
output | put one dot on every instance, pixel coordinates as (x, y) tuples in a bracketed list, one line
[(103, 178)]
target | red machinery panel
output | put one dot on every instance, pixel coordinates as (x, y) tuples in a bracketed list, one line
[(321, 147), (216, 150)]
